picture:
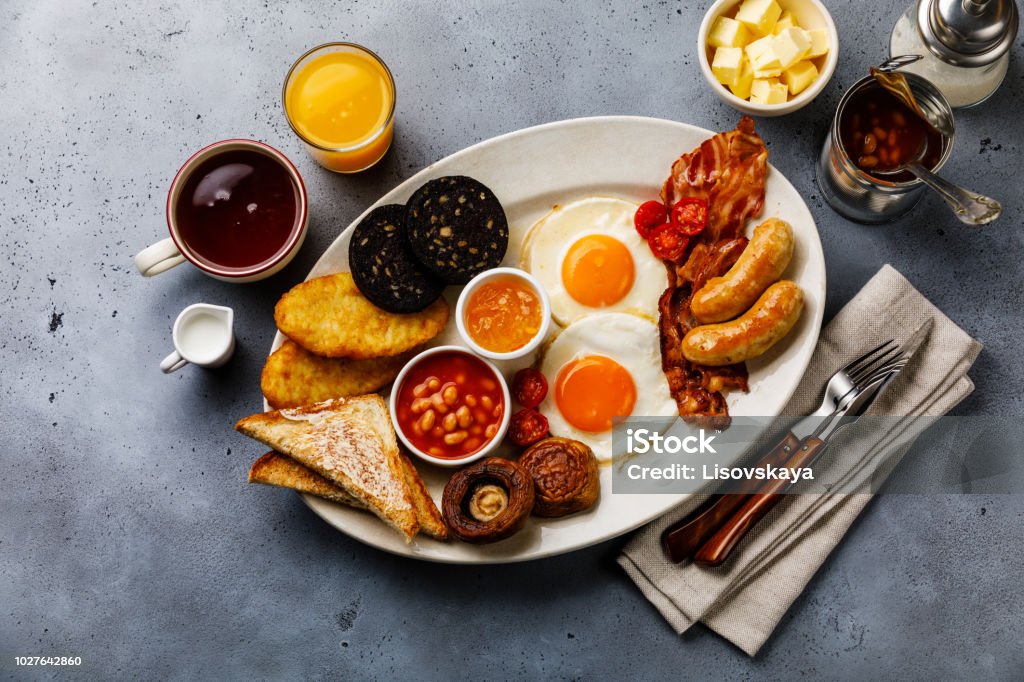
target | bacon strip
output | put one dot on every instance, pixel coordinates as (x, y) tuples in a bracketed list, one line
[(728, 171)]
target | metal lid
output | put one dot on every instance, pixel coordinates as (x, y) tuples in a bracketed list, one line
[(967, 32)]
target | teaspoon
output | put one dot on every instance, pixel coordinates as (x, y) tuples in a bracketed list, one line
[(969, 207)]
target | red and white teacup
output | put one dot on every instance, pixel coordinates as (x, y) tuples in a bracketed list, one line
[(237, 210)]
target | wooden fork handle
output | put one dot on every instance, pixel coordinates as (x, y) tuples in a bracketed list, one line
[(682, 539), (718, 548)]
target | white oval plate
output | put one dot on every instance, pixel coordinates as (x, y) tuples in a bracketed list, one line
[(531, 170)]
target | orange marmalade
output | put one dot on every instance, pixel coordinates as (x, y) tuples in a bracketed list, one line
[(503, 314)]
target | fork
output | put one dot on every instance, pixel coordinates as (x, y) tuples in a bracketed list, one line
[(885, 357), (803, 454), (683, 539)]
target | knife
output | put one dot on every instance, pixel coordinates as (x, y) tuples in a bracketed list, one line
[(711, 532)]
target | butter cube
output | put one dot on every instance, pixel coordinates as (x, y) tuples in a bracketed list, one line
[(759, 89), (778, 93), (767, 58), (790, 46), (785, 21), (728, 32), (818, 38), (727, 64), (756, 48), (768, 91), (767, 73), (767, 61), (767, 65), (759, 15), (799, 76), (741, 88)]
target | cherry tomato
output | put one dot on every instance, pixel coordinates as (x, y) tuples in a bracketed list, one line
[(668, 242), (529, 387), (691, 215), (527, 427), (648, 216)]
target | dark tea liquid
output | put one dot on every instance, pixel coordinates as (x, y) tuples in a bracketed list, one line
[(237, 209)]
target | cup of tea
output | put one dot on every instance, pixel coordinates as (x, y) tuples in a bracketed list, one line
[(203, 335), (237, 210)]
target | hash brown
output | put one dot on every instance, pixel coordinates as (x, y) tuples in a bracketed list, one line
[(328, 316), (293, 376)]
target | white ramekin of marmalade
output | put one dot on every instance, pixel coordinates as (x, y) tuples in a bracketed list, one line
[(503, 314)]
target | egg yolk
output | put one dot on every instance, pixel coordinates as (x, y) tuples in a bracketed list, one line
[(598, 271), (592, 390)]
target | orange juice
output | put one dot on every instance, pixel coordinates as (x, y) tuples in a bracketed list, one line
[(340, 99)]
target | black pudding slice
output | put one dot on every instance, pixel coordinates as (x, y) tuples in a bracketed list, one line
[(457, 228), (383, 267)]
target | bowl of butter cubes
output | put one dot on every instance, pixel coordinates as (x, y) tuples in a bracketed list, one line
[(767, 57)]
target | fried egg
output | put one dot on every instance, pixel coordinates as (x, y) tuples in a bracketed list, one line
[(590, 259), (601, 367)]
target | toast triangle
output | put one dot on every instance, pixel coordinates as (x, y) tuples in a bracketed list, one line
[(427, 513), (349, 441), (279, 470)]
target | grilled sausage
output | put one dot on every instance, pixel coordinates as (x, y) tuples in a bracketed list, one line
[(761, 263), (749, 335)]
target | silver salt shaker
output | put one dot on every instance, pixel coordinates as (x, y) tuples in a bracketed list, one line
[(965, 45)]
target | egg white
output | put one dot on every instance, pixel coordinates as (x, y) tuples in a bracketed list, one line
[(549, 240), (629, 340)]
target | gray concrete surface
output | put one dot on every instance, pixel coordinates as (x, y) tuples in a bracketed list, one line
[(127, 533)]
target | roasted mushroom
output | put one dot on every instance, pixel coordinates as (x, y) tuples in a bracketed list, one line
[(565, 476), (488, 501)]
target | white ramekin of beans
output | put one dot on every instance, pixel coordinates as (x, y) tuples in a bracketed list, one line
[(450, 406)]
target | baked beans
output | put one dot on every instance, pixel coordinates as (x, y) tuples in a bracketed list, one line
[(450, 405), (880, 134)]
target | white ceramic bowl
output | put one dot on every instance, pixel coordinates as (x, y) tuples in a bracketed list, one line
[(483, 278), (809, 14), (461, 461)]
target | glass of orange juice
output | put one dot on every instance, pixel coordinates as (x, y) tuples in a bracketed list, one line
[(339, 98)]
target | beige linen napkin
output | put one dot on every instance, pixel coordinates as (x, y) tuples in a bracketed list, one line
[(745, 598)]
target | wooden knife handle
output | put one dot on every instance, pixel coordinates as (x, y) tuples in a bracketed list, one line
[(718, 548), (683, 538)]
